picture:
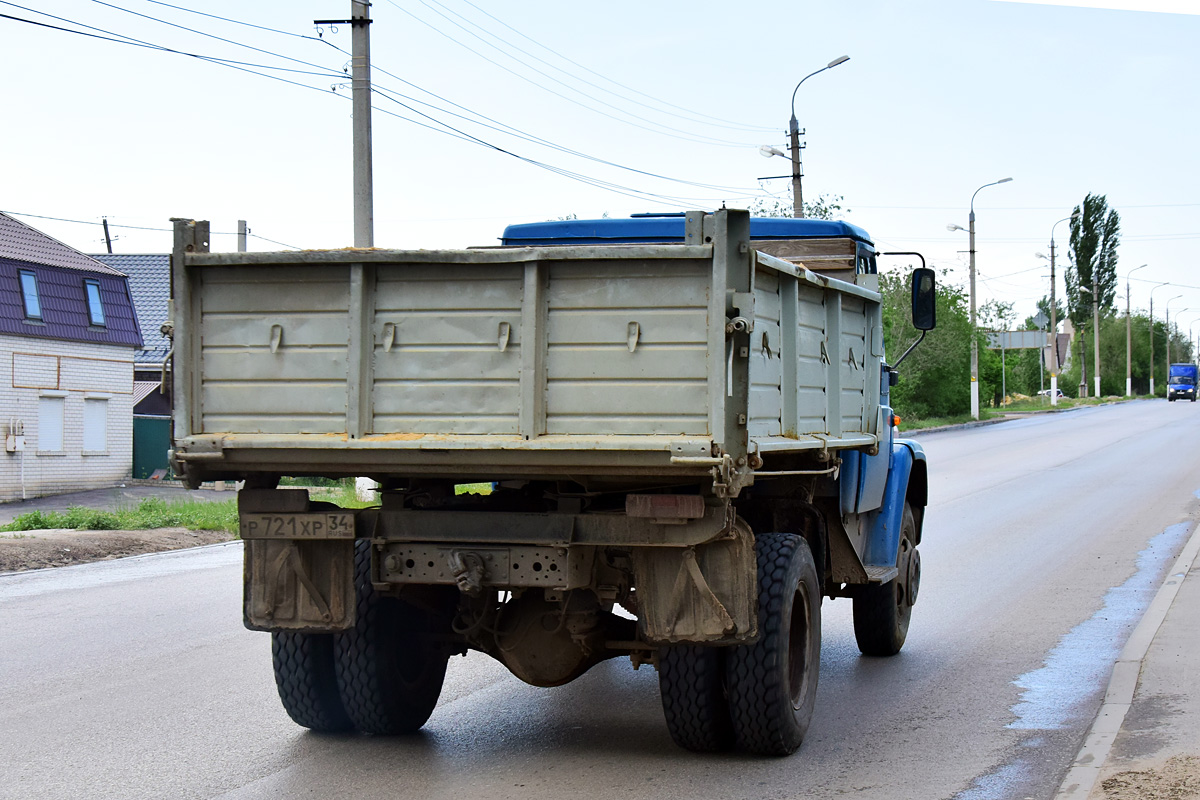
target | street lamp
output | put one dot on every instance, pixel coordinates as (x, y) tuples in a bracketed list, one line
[(1191, 341), (974, 341), (1129, 337), (1082, 365), (1178, 314), (794, 133), (1054, 312), (1167, 323), (1096, 332), (1164, 283)]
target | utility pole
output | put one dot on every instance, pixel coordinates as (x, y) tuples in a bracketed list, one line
[(1152, 339), (360, 75), (794, 132), (243, 232), (1053, 328), (1096, 330), (797, 170), (1129, 335), (1128, 346), (1054, 312), (364, 204), (107, 238), (1082, 368), (974, 337), (360, 82)]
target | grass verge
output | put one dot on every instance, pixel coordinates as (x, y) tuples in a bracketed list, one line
[(151, 512), (1026, 405)]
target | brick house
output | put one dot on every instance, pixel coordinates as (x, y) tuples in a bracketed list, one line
[(149, 277), (68, 334)]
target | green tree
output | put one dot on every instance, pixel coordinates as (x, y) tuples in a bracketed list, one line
[(826, 206), (935, 378), (1043, 307), (1095, 235)]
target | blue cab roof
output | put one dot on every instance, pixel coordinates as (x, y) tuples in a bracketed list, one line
[(665, 229)]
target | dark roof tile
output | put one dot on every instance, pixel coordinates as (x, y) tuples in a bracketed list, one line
[(20, 242), (150, 285)]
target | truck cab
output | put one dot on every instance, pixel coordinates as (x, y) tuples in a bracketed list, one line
[(1181, 382)]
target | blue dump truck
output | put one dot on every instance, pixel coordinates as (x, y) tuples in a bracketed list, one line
[(665, 438), (1181, 382)]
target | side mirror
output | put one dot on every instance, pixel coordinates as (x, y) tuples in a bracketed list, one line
[(924, 299)]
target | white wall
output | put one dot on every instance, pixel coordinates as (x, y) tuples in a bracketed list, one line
[(32, 369)]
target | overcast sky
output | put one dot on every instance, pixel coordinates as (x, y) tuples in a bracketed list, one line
[(938, 98)]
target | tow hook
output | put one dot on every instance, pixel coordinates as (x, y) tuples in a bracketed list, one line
[(468, 572)]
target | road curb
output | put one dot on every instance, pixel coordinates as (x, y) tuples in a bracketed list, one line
[(1084, 772)]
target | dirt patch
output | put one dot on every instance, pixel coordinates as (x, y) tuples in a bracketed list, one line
[(1177, 779), (58, 548)]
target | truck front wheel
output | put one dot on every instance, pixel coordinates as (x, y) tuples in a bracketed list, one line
[(691, 680), (773, 682), (882, 611), (307, 683), (390, 666)]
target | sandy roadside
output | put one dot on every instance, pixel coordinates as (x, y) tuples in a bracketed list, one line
[(38, 549)]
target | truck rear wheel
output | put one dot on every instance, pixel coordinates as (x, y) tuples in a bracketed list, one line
[(773, 682), (882, 611), (307, 683), (691, 680), (389, 666)]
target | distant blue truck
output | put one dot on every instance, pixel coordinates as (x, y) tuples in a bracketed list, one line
[(1181, 382)]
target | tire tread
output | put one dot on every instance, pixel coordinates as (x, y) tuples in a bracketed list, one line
[(759, 699)]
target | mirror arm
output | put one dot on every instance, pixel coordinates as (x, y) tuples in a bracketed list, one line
[(905, 253), (911, 347)]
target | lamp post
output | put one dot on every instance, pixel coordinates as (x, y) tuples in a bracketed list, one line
[(1177, 315), (1191, 327), (1167, 324), (1191, 341), (1054, 313), (1164, 283), (1082, 360), (1129, 337), (974, 341), (1096, 333), (794, 133)]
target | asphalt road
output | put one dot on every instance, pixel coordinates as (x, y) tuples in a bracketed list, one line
[(1044, 540)]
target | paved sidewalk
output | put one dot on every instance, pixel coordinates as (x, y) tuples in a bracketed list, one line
[(110, 499)]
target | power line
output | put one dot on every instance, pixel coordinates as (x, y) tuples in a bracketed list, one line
[(244, 67), (528, 137), (693, 117), (139, 227), (599, 75), (501, 127), (118, 38), (674, 133), (1020, 208), (596, 182), (241, 22), (209, 35), (521, 134)]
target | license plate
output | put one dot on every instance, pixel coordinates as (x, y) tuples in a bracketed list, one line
[(297, 526)]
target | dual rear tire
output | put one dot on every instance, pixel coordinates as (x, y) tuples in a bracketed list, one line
[(383, 676), (757, 697)]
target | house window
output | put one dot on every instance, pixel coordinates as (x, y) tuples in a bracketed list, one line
[(29, 293), (95, 307), (95, 426), (50, 424)]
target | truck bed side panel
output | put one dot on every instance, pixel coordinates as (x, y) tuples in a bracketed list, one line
[(273, 353)]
